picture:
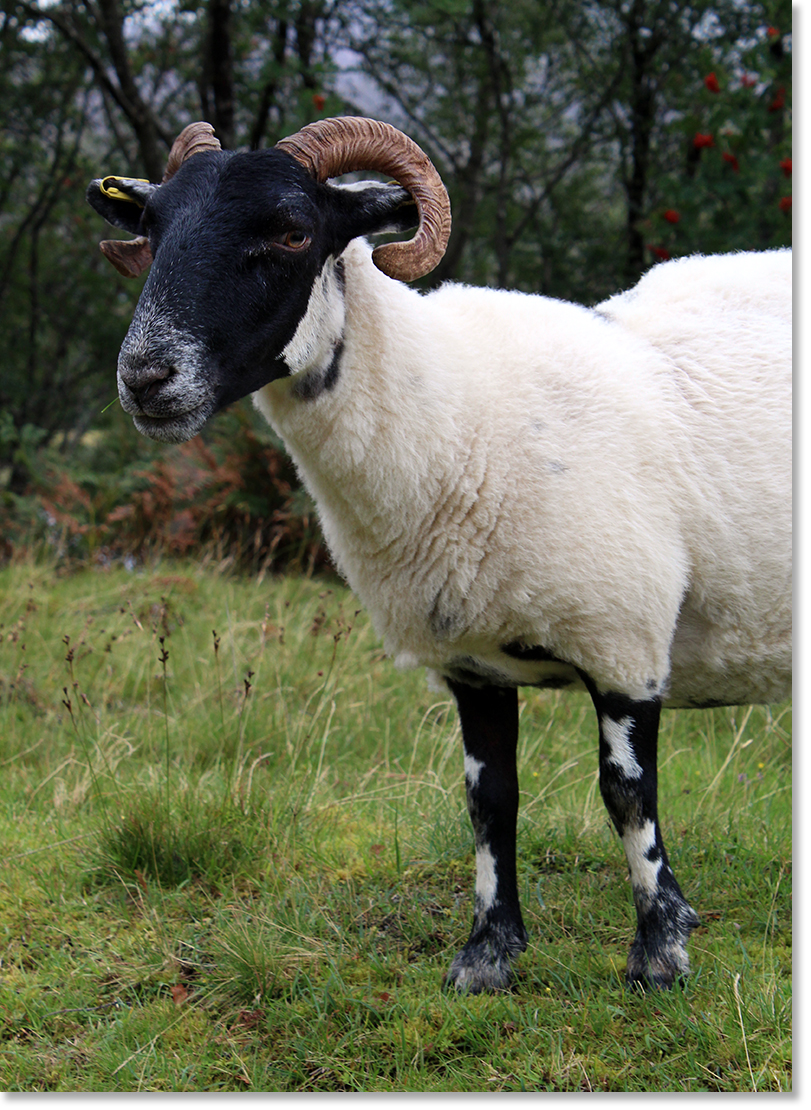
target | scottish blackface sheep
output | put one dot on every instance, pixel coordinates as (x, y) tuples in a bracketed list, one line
[(521, 491)]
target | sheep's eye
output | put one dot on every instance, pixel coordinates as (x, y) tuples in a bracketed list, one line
[(293, 240), (290, 242)]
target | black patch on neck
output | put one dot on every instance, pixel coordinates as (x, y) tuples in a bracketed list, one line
[(334, 368), (316, 382)]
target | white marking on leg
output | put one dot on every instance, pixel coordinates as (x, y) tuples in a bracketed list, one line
[(486, 878), (473, 768), (637, 842), (617, 736)]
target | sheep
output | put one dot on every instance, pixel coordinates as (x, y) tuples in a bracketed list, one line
[(521, 491)]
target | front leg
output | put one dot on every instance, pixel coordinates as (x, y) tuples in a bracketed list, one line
[(489, 717), (628, 783)]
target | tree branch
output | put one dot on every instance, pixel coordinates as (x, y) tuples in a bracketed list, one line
[(125, 92)]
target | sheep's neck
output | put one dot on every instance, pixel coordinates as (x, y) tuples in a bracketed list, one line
[(380, 452), (359, 414)]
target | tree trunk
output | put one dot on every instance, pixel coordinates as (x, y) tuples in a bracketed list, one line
[(643, 44), (152, 140), (218, 73)]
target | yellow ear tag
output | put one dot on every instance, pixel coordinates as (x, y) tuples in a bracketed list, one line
[(108, 187)]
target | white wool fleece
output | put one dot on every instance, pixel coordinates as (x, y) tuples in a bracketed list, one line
[(611, 485)]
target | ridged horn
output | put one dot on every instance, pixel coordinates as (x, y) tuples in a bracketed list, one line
[(330, 147), (132, 256), (197, 138)]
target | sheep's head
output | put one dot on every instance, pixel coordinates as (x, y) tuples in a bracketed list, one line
[(236, 243)]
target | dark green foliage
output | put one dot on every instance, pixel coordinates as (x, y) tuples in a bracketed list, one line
[(730, 150)]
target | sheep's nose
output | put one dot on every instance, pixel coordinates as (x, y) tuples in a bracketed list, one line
[(145, 379), (147, 392)]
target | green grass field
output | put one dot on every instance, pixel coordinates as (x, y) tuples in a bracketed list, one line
[(236, 857)]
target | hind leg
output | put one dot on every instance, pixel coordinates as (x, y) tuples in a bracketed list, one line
[(628, 783)]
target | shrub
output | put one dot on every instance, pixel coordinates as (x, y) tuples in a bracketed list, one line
[(233, 496)]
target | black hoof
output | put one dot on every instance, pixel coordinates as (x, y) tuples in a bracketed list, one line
[(485, 965)]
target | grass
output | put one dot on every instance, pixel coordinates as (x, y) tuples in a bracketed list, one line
[(236, 857)]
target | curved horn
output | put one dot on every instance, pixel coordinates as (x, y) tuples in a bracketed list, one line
[(132, 256), (197, 138), (331, 147)]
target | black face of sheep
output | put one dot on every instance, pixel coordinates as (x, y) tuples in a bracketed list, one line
[(230, 279)]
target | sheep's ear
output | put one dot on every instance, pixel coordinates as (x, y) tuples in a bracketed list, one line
[(372, 207), (120, 200)]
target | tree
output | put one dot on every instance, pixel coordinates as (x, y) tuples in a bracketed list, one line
[(557, 125), (728, 184), (50, 339), (93, 86), (488, 90)]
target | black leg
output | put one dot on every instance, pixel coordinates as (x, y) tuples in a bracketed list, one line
[(628, 783), (489, 717)]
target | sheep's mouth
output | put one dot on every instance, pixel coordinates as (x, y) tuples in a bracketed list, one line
[(176, 428)]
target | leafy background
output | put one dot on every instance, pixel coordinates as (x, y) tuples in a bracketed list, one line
[(581, 142)]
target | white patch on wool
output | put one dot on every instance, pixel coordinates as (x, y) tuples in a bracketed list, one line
[(473, 768), (638, 841), (408, 661), (486, 878), (435, 682), (321, 327), (617, 736)]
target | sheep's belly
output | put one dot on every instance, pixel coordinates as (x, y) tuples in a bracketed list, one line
[(694, 683), (513, 665)]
